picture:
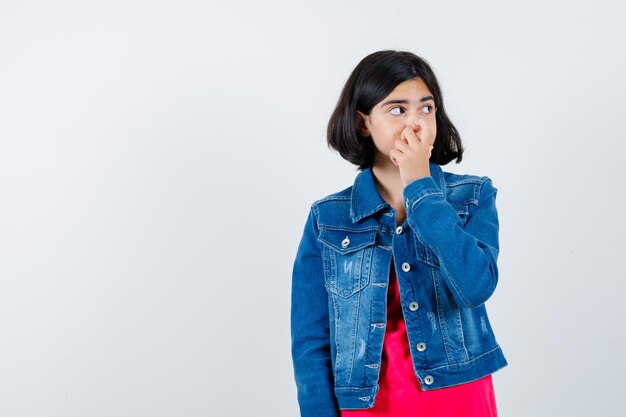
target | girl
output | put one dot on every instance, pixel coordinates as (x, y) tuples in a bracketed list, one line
[(391, 275)]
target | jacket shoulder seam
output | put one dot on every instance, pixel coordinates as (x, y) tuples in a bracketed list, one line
[(467, 179), (477, 180), (332, 197)]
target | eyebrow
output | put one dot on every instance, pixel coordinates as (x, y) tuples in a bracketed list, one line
[(403, 101)]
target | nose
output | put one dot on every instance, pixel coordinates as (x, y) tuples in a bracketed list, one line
[(414, 123)]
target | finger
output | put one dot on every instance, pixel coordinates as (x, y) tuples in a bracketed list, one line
[(411, 137), (401, 145)]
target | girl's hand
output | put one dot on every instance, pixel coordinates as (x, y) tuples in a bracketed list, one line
[(411, 154)]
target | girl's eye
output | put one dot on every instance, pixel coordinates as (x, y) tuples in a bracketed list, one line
[(429, 110)]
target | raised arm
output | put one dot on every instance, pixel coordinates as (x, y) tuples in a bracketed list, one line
[(467, 252)]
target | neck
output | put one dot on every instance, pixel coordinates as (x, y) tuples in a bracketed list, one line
[(388, 181)]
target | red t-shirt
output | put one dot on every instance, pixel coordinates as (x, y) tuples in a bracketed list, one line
[(400, 392)]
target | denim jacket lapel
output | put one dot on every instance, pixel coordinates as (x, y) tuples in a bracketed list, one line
[(365, 198)]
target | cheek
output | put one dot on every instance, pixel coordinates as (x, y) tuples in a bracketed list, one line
[(433, 127), (387, 132)]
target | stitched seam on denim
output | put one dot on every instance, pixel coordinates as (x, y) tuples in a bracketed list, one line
[(353, 202), (370, 341), (454, 283), (478, 182), (370, 242), (427, 257), (349, 229), (331, 198), (444, 330), (463, 182), (355, 327), (333, 268), (478, 190), (355, 321), (442, 266), (355, 388), (371, 212), (442, 181), (374, 210), (315, 218), (341, 251), (424, 196), (459, 332), (337, 321), (337, 349), (364, 273), (452, 280), (464, 362)]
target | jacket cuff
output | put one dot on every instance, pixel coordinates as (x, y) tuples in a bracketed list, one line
[(419, 189)]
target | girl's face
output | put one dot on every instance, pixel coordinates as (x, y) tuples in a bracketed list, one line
[(410, 104)]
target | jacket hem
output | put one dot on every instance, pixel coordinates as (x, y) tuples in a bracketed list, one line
[(357, 398), (462, 373)]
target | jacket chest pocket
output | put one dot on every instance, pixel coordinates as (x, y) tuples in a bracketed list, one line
[(347, 257)]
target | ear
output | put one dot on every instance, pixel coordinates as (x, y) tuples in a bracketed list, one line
[(362, 124)]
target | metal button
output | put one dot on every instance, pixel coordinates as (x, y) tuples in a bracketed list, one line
[(345, 242), (406, 267), (421, 346), (429, 380), (413, 306), (398, 230)]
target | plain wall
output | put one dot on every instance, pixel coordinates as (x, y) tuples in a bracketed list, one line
[(158, 159)]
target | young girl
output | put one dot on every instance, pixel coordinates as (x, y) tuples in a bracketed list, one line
[(392, 274)]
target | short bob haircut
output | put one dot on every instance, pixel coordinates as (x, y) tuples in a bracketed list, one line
[(373, 79)]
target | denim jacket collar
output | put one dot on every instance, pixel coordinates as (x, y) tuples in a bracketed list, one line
[(366, 200)]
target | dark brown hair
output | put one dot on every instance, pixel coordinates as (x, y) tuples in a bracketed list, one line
[(373, 79)]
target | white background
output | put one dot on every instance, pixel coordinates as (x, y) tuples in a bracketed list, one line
[(157, 162)]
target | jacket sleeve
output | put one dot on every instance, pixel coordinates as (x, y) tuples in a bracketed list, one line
[(467, 253), (310, 331)]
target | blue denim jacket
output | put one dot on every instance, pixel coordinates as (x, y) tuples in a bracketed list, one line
[(445, 254)]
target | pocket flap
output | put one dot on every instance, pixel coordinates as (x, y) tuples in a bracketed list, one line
[(347, 241)]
